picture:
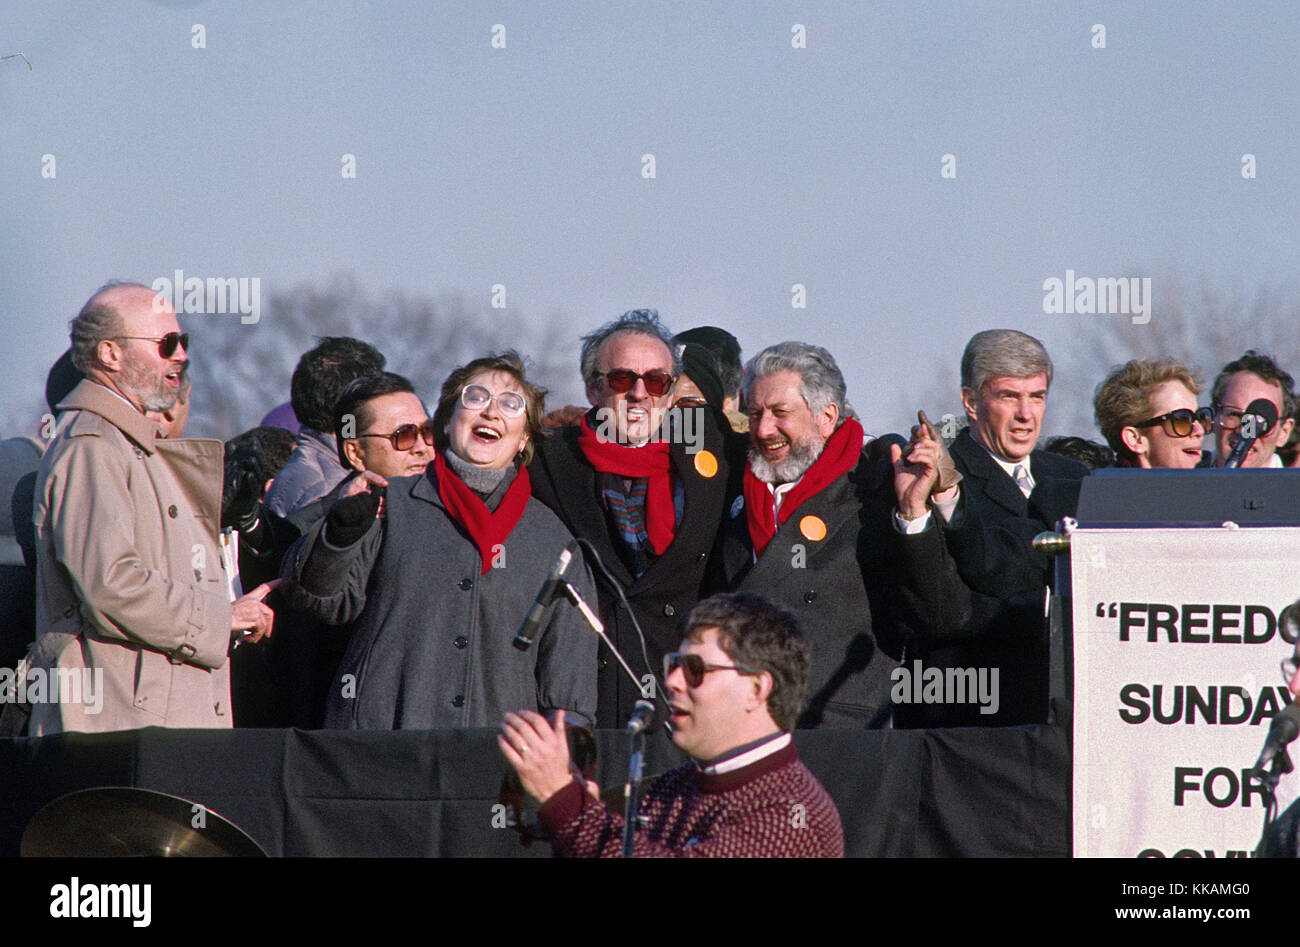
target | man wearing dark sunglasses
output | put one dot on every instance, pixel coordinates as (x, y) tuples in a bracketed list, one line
[(382, 426), (650, 499), (130, 585), (735, 687)]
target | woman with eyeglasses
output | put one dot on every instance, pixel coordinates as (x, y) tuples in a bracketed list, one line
[(436, 572), (1147, 411)]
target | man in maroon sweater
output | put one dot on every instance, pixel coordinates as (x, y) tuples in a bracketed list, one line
[(734, 691)]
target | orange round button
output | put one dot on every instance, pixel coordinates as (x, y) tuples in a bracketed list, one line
[(706, 464), (812, 528)]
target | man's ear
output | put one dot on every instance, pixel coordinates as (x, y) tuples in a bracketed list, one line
[(829, 417), (352, 451), (762, 689), (1284, 429), (109, 355), (970, 402)]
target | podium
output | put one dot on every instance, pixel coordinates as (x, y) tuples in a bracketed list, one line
[(1165, 634)]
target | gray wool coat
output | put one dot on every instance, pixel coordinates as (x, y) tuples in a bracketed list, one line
[(432, 635)]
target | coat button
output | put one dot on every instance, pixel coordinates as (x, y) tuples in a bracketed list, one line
[(810, 596), (461, 641), (458, 700), (701, 557), (669, 611), (466, 584), (172, 511)]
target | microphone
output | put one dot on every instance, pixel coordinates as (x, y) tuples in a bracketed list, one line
[(537, 614), (1288, 623), (1284, 728), (1262, 415), (645, 718)]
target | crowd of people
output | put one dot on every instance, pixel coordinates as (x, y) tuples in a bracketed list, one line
[(758, 562)]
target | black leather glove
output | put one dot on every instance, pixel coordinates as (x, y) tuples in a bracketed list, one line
[(351, 517), (241, 493)]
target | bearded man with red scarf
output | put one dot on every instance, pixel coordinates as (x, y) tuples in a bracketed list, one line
[(647, 487), (843, 544)]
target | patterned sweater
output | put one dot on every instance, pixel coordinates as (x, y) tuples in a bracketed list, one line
[(773, 808)]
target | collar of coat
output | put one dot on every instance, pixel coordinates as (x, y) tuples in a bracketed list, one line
[(93, 397), (974, 461)]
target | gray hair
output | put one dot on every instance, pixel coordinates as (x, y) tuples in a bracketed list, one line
[(820, 380), (642, 321), (999, 353), (96, 322)]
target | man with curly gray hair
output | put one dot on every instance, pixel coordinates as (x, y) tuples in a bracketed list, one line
[(843, 545)]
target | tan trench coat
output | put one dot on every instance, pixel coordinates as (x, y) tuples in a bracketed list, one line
[(129, 577)]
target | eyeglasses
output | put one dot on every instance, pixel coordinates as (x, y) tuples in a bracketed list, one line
[(406, 436), (1179, 423), (690, 402), (694, 668), (1229, 419), (167, 344), (620, 380), (510, 403)]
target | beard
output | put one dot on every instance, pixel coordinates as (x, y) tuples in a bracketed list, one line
[(802, 456), (152, 391)]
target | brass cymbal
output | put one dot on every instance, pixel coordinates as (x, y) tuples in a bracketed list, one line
[(124, 822)]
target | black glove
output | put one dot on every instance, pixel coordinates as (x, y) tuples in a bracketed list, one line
[(351, 518), (241, 492)]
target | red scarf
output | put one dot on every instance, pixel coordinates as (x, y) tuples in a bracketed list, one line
[(486, 527), (650, 462), (839, 455)]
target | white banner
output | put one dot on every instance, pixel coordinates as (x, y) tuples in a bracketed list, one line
[(1176, 678)]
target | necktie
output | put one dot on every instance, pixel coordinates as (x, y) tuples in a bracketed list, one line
[(1023, 480)]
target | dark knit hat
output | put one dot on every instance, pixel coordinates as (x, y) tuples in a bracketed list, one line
[(63, 377), (701, 367)]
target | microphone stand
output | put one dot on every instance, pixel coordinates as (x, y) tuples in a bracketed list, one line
[(570, 593), (636, 749), (1280, 766), (632, 790), (636, 756)]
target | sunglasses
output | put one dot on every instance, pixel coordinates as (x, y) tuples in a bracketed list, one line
[(694, 668), (406, 436), (690, 402), (167, 345), (620, 380), (509, 403), (1179, 423)]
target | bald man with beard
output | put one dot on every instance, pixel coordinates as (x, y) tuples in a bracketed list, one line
[(131, 595)]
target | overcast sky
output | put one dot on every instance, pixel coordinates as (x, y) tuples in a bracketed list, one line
[(773, 165)]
